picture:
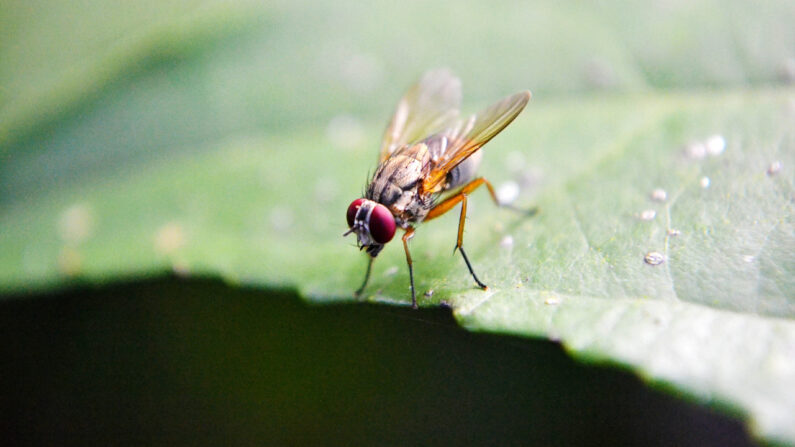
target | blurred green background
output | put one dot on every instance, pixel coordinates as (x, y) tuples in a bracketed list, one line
[(224, 140)]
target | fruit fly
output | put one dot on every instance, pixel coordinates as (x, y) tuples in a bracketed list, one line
[(427, 164)]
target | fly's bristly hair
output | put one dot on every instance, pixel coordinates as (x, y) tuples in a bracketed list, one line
[(367, 181)]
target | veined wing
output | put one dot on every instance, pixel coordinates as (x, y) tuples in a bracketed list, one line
[(429, 106), (467, 136)]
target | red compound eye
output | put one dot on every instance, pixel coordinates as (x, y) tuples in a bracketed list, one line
[(352, 209), (382, 224)]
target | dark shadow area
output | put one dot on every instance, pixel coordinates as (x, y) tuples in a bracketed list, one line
[(198, 362)]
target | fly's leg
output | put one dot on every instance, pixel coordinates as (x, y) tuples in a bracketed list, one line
[(359, 291), (406, 236), (450, 202), (460, 241)]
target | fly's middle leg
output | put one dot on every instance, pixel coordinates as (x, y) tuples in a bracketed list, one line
[(406, 237)]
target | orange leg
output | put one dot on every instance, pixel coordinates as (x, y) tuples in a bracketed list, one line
[(449, 203), (406, 236)]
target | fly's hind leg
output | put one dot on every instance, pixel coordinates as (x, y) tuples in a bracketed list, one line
[(461, 196), (448, 204)]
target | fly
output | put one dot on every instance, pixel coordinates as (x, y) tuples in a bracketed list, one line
[(427, 165)]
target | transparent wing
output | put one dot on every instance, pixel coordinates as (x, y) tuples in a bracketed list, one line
[(429, 106), (467, 136)]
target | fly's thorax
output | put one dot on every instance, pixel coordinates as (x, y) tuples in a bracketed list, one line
[(397, 182)]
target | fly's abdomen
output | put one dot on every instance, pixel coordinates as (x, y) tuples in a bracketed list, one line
[(464, 172)]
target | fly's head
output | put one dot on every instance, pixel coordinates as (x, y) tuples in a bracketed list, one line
[(373, 224)]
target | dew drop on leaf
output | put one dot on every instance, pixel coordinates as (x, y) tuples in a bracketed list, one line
[(715, 145), (654, 258), (552, 301), (774, 168), (696, 150), (648, 215), (507, 192), (659, 195)]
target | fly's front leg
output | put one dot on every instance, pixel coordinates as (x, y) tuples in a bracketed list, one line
[(359, 291), (406, 236)]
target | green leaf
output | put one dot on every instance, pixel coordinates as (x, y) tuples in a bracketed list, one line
[(235, 157)]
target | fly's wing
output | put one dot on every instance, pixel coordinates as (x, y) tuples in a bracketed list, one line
[(429, 106), (467, 136)]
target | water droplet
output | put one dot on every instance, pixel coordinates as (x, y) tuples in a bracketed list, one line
[(648, 215), (552, 301), (704, 182), (673, 232), (696, 150), (774, 168), (169, 238), (749, 258), (715, 145), (654, 258), (507, 242), (76, 223), (507, 192), (659, 195)]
